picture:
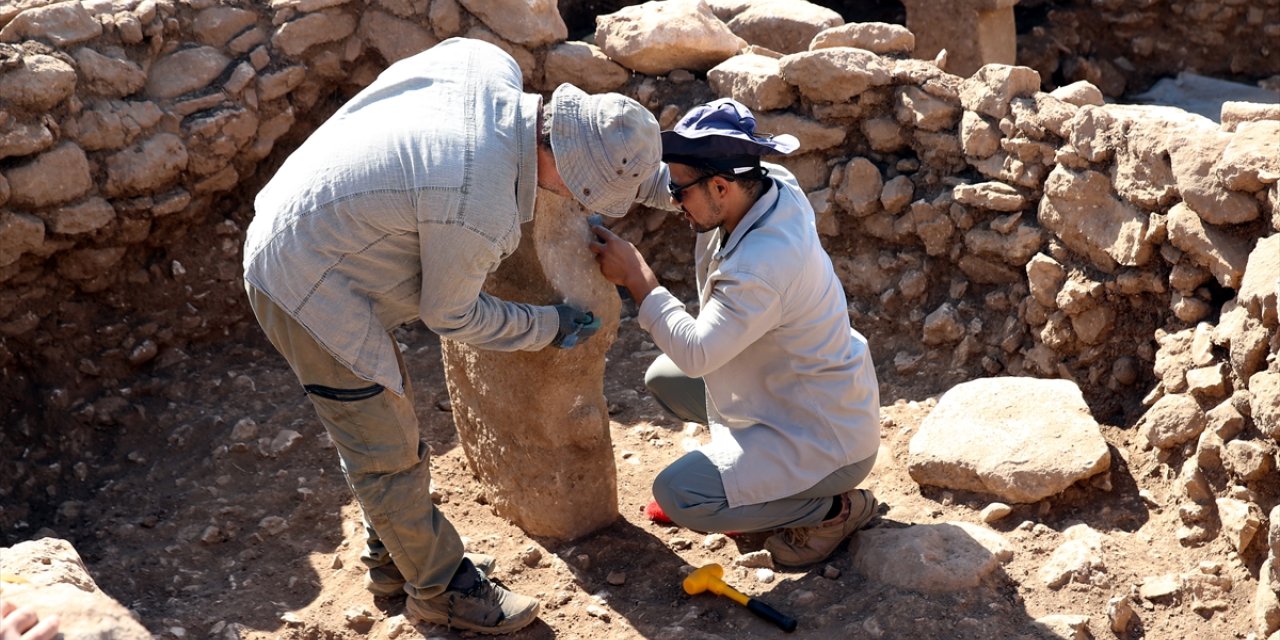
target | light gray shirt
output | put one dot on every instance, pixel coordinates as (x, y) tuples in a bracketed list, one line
[(791, 389), (399, 206)]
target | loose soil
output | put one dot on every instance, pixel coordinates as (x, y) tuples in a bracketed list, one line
[(204, 535)]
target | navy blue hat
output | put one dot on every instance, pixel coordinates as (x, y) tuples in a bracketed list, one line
[(720, 130)]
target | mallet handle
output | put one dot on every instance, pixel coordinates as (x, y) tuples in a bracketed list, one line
[(784, 622)]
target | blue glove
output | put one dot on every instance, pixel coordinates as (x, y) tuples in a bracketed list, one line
[(575, 326)]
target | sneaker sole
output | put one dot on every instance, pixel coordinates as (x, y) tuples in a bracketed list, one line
[(508, 627)]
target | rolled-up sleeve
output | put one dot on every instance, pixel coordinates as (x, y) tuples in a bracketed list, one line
[(454, 268), (741, 309)]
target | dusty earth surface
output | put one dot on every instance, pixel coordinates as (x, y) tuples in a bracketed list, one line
[(209, 518)]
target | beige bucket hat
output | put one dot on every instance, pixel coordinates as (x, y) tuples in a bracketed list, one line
[(605, 147)]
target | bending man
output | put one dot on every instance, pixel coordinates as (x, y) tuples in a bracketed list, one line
[(395, 210)]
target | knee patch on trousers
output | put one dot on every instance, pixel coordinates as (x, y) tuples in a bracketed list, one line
[(343, 395)]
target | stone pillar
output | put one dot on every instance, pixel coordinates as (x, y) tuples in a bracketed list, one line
[(534, 425), (974, 32)]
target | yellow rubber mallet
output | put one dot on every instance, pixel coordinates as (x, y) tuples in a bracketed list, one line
[(707, 578)]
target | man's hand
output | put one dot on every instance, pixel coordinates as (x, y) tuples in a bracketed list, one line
[(575, 326), (22, 623), (621, 264)]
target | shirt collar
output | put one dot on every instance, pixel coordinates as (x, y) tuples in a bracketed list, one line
[(753, 216), (527, 138)]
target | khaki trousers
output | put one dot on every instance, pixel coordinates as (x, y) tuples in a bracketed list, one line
[(386, 465), (691, 492)]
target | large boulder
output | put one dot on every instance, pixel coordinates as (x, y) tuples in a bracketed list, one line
[(931, 558), (993, 436), (48, 575), (659, 37)]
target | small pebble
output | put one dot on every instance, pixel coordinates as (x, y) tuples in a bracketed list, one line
[(831, 573), (764, 575), (616, 578), (531, 556), (715, 541), (995, 511), (761, 559)]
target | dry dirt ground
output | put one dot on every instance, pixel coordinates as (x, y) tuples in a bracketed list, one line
[(207, 529)]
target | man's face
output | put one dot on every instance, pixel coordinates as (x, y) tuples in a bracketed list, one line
[(697, 198)]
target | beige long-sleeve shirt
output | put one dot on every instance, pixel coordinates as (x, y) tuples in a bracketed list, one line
[(791, 389)]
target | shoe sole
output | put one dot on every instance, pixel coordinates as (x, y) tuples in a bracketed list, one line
[(444, 621)]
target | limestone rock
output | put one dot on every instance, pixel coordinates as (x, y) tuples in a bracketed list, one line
[(54, 177), (942, 326), (585, 66), (1233, 114), (991, 435), (56, 582), (1222, 254), (39, 84), (1264, 388), (18, 138), (149, 166), (1080, 208), (896, 194), (1241, 521), (1194, 154), (311, 29), (1143, 173), (835, 75), (785, 26), (217, 25), (1014, 248), (860, 187), (108, 75), (877, 37), (1076, 559), (1252, 159), (884, 134), (995, 196), (1172, 420), (61, 24), (813, 135), (19, 233), (930, 558), (184, 71), (990, 90), (923, 111), (1079, 93), (753, 80), (1064, 626), (531, 23), (393, 38), (82, 217), (112, 124), (978, 137), (530, 480), (824, 212), (1045, 277), (658, 37), (1258, 291), (1248, 459)]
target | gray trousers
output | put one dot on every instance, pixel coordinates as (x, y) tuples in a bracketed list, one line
[(691, 492), (386, 464)]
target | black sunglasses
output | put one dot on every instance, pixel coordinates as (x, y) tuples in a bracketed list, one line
[(677, 190)]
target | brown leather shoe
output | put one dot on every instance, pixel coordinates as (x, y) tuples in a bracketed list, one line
[(801, 546)]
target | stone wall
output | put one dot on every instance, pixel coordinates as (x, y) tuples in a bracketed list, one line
[(1124, 45), (980, 225)]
